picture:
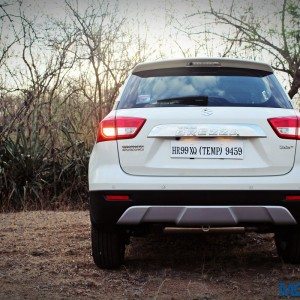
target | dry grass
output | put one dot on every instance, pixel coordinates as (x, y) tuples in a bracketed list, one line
[(47, 255)]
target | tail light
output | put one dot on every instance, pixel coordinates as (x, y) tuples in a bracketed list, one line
[(292, 198), (117, 198), (117, 128), (286, 127)]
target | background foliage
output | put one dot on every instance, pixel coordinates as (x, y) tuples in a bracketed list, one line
[(60, 76)]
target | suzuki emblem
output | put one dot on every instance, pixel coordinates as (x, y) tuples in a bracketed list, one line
[(206, 112)]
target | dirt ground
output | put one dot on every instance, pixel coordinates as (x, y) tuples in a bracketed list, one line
[(47, 255)]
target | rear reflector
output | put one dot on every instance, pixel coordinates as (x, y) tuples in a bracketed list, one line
[(286, 127), (117, 198), (292, 198), (117, 128)]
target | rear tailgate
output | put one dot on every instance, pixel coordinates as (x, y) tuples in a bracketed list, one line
[(212, 141)]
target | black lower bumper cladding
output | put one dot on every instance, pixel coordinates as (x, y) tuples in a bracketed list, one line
[(109, 212)]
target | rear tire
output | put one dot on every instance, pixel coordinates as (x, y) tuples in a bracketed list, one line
[(288, 245), (108, 247)]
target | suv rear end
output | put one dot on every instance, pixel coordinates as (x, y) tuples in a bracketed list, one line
[(196, 142)]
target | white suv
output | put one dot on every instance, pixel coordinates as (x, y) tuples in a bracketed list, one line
[(196, 142)]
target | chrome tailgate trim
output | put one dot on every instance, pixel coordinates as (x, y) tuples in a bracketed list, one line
[(207, 130)]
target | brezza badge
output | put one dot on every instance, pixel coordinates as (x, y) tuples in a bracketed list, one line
[(204, 131)]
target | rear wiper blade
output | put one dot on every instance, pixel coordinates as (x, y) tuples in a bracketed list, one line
[(188, 100)]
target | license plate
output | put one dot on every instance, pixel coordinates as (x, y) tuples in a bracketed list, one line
[(207, 149)]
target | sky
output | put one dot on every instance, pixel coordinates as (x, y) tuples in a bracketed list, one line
[(153, 17)]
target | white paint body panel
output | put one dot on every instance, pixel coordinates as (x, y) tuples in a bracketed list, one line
[(105, 173), (263, 155)]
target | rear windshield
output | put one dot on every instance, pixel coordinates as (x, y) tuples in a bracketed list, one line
[(221, 87)]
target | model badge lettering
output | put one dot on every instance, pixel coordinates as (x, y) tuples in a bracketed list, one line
[(203, 131), (285, 147), (133, 148)]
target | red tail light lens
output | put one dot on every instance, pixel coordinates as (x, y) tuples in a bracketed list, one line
[(292, 198), (117, 198), (117, 128), (286, 127)]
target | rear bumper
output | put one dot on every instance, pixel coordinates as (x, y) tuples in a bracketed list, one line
[(188, 208)]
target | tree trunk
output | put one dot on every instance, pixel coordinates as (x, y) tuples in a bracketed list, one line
[(295, 84)]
